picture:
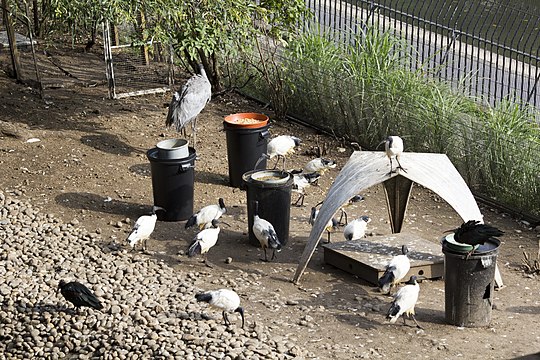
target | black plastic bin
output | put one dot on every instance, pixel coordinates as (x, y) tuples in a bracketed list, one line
[(173, 185), (244, 147), (274, 199), (469, 284)]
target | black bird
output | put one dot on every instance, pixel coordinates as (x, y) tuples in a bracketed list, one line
[(79, 295), (474, 233)]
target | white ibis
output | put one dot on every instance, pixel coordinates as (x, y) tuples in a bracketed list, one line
[(265, 233), (143, 228), (280, 147), (319, 165), (393, 146), (356, 229), (404, 302), (301, 182), (331, 225), (204, 241), (226, 300), (203, 218), (395, 271)]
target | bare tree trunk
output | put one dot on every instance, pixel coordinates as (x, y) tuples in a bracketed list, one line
[(17, 70), (35, 10)]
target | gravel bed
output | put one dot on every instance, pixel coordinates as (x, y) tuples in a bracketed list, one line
[(149, 307)]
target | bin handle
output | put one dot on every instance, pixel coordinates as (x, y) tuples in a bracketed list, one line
[(186, 167), (264, 134)]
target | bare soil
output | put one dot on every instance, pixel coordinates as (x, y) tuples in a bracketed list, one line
[(90, 166)]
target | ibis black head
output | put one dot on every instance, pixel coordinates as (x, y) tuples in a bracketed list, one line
[(412, 280), (215, 223), (156, 208), (241, 311), (61, 284), (221, 203), (355, 199), (404, 250), (296, 140), (365, 218)]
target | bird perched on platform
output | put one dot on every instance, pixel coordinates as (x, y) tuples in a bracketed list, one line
[(356, 229), (143, 228), (188, 103), (354, 200), (404, 302), (301, 182), (204, 241), (79, 295), (331, 225), (203, 218), (319, 165), (395, 271), (393, 146), (224, 299), (266, 234), (280, 147)]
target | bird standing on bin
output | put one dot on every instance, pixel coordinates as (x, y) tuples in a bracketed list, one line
[(331, 225), (203, 218), (143, 228), (301, 182), (475, 233), (224, 299), (404, 302), (79, 295), (187, 103), (393, 146), (204, 241), (265, 233), (356, 229), (395, 271), (280, 147), (355, 199)]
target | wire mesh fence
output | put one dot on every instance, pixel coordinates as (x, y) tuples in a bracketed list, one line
[(491, 48)]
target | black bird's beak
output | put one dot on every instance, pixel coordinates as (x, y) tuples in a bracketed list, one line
[(449, 231), (241, 311), (224, 223), (382, 142)]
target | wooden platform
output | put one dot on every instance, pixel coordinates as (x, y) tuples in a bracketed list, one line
[(368, 258)]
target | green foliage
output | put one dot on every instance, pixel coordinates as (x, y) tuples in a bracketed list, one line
[(367, 91)]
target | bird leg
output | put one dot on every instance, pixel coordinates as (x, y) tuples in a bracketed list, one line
[(343, 213), (206, 262), (273, 254), (265, 257), (227, 322), (194, 130), (399, 165), (301, 197), (416, 322), (391, 172), (328, 233)]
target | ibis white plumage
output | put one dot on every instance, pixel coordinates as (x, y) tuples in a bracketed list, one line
[(203, 218), (143, 228), (396, 270), (188, 103), (301, 182), (319, 165), (266, 234), (356, 229), (404, 302), (393, 146), (204, 241), (226, 300), (281, 146)]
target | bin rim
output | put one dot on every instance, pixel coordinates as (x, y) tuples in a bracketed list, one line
[(287, 178), (479, 252), (231, 120), (152, 155)]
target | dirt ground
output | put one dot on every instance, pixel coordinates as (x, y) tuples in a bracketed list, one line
[(90, 166)]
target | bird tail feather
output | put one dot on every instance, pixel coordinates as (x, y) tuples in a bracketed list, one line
[(194, 249), (392, 312), (385, 282), (191, 221)]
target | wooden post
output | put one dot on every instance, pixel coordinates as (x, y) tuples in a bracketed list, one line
[(17, 70), (108, 60)]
